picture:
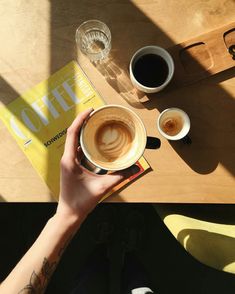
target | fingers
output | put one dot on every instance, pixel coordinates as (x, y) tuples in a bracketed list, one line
[(71, 143), (112, 180)]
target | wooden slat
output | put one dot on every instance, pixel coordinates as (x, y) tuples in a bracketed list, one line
[(203, 56)]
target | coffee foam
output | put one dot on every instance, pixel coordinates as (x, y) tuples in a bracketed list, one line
[(113, 138)]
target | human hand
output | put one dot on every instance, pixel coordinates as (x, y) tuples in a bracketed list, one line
[(80, 189)]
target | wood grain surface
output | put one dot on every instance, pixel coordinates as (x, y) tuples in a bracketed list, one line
[(203, 56), (37, 38)]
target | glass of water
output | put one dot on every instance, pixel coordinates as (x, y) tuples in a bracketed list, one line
[(93, 38)]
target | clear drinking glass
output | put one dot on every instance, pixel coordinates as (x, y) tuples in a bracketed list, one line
[(93, 38)]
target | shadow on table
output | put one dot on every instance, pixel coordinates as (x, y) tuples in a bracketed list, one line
[(210, 107), (211, 110), (119, 80)]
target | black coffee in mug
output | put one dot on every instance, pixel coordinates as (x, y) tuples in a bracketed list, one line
[(150, 70)]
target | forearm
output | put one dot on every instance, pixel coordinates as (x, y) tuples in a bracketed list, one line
[(32, 273)]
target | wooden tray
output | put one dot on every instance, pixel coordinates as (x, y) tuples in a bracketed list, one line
[(204, 55)]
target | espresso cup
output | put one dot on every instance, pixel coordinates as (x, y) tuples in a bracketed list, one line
[(173, 124), (113, 137), (151, 69)]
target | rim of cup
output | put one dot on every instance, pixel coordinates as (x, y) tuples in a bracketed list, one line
[(185, 129), (168, 60), (93, 113)]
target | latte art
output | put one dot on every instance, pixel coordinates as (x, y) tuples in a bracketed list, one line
[(113, 140)]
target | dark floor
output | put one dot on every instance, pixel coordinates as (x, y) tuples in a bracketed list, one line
[(170, 268)]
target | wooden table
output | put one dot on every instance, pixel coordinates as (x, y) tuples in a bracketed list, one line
[(37, 38)]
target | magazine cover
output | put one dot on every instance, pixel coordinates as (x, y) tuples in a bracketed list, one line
[(38, 120)]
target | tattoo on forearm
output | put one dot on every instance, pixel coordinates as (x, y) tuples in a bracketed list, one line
[(38, 282)]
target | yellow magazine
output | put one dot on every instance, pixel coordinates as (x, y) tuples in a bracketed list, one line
[(38, 120)]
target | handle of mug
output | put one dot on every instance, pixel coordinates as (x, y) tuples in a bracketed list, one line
[(153, 143)]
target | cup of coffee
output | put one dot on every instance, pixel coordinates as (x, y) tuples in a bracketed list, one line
[(113, 137), (173, 124), (151, 69)]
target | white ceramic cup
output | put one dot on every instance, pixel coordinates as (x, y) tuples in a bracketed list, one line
[(170, 113), (152, 50), (113, 137)]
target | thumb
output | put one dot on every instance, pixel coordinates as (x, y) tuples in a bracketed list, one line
[(115, 178)]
